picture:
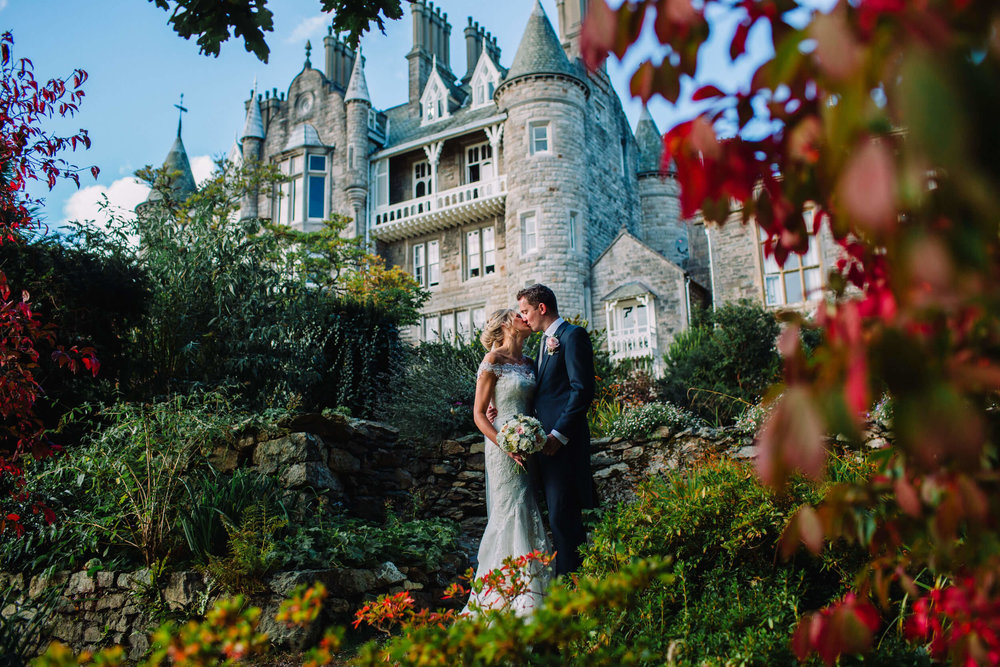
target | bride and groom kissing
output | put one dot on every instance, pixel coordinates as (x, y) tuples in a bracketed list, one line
[(556, 388)]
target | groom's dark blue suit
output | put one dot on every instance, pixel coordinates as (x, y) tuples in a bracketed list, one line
[(565, 390)]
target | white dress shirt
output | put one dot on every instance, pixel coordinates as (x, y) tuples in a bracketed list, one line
[(549, 332)]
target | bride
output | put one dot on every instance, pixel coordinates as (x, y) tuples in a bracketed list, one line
[(514, 524)]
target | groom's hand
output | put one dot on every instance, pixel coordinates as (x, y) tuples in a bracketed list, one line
[(491, 413), (551, 446)]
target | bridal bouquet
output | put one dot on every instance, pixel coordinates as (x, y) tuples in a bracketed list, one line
[(521, 435)]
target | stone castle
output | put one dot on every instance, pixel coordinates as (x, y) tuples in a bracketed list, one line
[(487, 180)]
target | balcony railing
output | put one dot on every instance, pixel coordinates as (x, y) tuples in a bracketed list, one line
[(630, 344), (440, 210)]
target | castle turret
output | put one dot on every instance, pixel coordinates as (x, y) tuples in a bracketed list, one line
[(662, 228), (358, 107), (252, 140), (545, 98), (431, 39)]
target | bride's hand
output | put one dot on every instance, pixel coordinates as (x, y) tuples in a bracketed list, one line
[(518, 458)]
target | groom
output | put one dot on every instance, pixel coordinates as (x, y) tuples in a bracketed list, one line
[(565, 372)]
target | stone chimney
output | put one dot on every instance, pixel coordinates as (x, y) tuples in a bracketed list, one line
[(476, 39), (571, 15), (431, 38), (339, 59)]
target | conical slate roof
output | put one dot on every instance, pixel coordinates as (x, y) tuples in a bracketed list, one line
[(178, 166), (357, 88), (650, 143), (539, 51), (254, 125)]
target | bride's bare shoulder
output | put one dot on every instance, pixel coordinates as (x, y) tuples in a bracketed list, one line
[(493, 357)]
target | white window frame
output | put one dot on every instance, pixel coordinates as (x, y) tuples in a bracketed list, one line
[(290, 196), (426, 258), (480, 247), (312, 174), (484, 81), (525, 236), (382, 183), (533, 142), (805, 272), (574, 229), (427, 179), (479, 156)]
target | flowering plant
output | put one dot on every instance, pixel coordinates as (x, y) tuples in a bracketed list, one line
[(551, 344), (521, 435)]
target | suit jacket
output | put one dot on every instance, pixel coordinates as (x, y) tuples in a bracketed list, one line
[(566, 384)]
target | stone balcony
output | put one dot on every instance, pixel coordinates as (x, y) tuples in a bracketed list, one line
[(448, 208)]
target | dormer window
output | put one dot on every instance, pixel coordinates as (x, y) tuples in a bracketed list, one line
[(434, 101), (484, 80)]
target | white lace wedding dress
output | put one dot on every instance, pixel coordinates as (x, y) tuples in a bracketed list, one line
[(514, 524)]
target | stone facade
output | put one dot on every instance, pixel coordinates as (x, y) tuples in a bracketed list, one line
[(482, 182)]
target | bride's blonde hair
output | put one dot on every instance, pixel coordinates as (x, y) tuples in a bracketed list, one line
[(493, 331)]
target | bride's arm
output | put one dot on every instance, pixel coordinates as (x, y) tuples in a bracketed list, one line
[(485, 385)]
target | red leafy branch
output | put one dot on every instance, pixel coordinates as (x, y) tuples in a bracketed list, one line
[(871, 123)]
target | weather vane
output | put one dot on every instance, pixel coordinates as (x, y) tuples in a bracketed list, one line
[(180, 114)]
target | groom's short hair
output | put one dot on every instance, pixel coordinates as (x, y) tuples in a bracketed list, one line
[(538, 293)]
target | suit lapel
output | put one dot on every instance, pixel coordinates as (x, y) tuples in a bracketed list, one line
[(545, 352)]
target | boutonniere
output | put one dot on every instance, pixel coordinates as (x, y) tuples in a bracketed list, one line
[(551, 344)]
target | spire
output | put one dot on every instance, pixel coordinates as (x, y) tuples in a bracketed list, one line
[(235, 156), (253, 128), (357, 88), (649, 141), (180, 114), (539, 51), (309, 48)]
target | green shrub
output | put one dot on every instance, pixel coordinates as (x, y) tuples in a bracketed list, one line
[(332, 539), (724, 362), (215, 501), (641, 421), (252, 549), (733, 600), (433, 392)]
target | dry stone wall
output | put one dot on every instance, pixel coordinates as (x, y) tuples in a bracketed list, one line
[(363, 465)]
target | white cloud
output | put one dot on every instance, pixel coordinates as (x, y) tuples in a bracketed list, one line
[(123, 196), (306, 29), (3, 5), (202, 167)]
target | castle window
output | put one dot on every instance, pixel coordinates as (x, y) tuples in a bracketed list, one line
[(288, 202), (478, 318), (382, 183), (317, 187), (427, 263), (432, 327), (433, 100), (529, 233), (574, 231), (480, 252), (538, 137), (463, 325), (479, 163), (799, 280), (422, 185), (448, 327)]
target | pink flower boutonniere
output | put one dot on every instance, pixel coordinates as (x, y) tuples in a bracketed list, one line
[(552, 345)]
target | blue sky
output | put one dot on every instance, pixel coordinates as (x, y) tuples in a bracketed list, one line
[(139, 67)]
